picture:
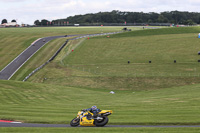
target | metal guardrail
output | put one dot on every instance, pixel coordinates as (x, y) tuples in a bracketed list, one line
[(52, 58)]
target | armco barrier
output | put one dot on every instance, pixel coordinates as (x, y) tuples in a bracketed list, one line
[(52, 58), (58, 51)]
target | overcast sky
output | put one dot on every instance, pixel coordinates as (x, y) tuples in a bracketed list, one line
[(27, 11)]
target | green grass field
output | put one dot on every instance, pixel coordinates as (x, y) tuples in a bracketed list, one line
[(160, 93), (43, 103), (101, 62)]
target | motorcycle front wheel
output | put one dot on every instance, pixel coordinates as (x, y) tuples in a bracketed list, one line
[(102, 122), (75, 122)]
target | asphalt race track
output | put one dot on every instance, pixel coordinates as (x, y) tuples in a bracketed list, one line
[(13, 66), (2, 124), (20, 60)]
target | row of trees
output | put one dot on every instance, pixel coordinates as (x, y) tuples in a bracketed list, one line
[(5, 21), (173, 17)]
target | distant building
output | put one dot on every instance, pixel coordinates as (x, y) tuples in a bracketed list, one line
[(2, 26), (10, 24)]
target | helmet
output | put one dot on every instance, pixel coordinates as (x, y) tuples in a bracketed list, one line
[(94, 107)]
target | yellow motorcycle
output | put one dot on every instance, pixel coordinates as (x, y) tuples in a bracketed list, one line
[(86, 118)]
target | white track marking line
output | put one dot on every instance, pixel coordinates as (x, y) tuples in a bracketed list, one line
[(26, 61), (30, 57), (18, 56)]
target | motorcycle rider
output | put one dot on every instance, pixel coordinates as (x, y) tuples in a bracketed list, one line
[(94, 110)]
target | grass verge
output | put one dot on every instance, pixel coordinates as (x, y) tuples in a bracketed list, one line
[(100, 130)]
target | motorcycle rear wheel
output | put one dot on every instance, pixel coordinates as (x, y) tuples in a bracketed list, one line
[(102, 122), (75, 122)]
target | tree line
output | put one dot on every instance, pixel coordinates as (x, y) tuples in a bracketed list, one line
[(115, 16)]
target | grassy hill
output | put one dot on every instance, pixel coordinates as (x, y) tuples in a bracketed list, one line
[(102, 62)]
